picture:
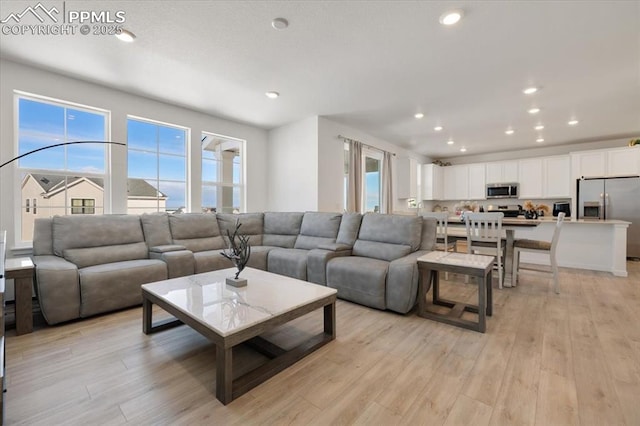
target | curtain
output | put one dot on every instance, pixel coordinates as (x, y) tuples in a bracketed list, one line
[(354, 196), (387, 195)]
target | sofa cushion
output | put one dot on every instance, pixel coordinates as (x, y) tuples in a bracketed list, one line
[(79, 231), (155, 227), (429, 231), (116, 285), (84, 257), (392, 229), (252, 226), (288, 262), (281, 229), (259, 257), (318, 228), (196, 231), (43, 236), (349, 227), (359, 279), (210, 260)]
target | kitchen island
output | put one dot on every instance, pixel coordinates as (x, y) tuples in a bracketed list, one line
[(598, 245)]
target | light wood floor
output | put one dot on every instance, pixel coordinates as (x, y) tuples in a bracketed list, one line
[(546, 359)]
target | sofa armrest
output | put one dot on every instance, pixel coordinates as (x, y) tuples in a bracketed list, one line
[(167, 248), (317, 260), (58, 288), (180, 262), (335, 247), (402, 282)]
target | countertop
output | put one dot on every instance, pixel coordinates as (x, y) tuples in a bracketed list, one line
[(520, 220)]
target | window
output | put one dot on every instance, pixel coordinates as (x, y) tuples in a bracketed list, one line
[(52, 177), (372, 191), (222, 174), (157, 165), (83, 206)]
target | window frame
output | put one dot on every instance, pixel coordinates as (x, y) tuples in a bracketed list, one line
[(187, 158), (221, 184), (83, 207), (18, 171), (379, 156)]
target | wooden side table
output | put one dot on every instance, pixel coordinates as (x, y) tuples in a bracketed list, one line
[(476, 265), (21, 270)]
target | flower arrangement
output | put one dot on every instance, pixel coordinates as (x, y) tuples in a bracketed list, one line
[(634, 142), (532, 211)]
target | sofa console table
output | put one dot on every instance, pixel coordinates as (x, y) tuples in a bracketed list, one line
[(479, 266), (21, 270)]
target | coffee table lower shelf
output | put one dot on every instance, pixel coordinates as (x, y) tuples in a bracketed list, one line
[(228, 389)]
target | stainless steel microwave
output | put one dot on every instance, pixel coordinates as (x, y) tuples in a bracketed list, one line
[(502, 190)]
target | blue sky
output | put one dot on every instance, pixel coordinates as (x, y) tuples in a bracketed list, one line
[(156, 152)]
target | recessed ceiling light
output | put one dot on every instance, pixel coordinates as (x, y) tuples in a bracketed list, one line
[(463, 149), (534, 110), (539, 127), (530, 90), (573, 122), (272, 95), (509, 131), (450, 142), (279, 23), (451, 17), (438, 128), (126, 35), (539, 140), (419, 115)]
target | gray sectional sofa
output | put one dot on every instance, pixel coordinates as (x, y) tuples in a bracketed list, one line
[(86, 265)]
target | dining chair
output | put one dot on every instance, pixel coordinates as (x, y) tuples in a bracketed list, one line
[(484, 235), (443, 241), (536, 246)]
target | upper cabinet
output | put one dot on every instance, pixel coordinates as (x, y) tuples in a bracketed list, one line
[(556, 174), (407, 178), (502, 172), (623, 161), (530, 178), (606, 163), (464, 182), (476, 181), (431, 182)]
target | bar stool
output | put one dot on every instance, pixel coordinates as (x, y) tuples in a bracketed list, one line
[(536, 246), (443, 242), (484, 235)]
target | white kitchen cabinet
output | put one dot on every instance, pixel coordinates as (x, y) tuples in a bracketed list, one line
[(556, 176), (431, 182), (407, 178), (624, 161), (476, 180), (456, 182), (588, 164), (530, 178), (502, 172)]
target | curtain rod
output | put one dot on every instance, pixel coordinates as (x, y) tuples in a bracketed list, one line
[(367, 145)]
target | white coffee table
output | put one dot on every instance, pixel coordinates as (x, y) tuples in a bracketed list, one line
[(229, 316)]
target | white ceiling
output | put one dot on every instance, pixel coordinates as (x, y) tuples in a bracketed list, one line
[(373, 65)]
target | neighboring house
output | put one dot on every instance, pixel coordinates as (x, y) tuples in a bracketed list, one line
[(49, 195)]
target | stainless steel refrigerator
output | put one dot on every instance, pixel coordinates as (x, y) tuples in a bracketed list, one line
[(613, 198)]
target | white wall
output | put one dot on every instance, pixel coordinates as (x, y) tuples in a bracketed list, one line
[(331, 162), (293, 166), (14, 76)]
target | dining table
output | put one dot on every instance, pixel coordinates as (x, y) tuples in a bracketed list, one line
[(456, 228)]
